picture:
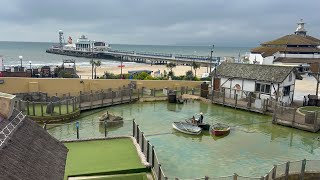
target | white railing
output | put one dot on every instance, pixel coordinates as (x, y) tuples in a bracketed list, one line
[(6, 131)]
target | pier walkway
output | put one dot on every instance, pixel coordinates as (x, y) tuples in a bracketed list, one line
[(142, 57)]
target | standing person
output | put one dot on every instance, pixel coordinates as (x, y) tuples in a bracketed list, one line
[(201, 118)]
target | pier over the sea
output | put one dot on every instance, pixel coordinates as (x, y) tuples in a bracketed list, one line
[(142, 57)]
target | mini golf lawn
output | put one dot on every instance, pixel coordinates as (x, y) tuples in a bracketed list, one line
[(102, 157)]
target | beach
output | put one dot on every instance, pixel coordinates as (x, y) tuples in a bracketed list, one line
[(85, 72)]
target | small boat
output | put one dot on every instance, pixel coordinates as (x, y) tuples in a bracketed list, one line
[(187, 128), (220, 129), (203, 126)]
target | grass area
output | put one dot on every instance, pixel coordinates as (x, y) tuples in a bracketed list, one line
[(102, 157), (56, 112), (135, 176), (309, 108)]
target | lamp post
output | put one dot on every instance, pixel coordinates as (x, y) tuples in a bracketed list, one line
[(30, 67), (20, 57), (211, 58)]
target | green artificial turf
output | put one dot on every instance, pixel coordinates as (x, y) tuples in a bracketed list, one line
[(136, 176), (102, 156)]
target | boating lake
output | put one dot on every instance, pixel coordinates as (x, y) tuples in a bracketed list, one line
[(253, 146)]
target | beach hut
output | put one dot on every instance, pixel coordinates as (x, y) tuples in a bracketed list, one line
[(262, 81)]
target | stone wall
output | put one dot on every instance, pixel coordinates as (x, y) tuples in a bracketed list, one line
[(60, 86)]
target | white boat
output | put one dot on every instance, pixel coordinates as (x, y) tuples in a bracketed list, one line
[(186, 128)]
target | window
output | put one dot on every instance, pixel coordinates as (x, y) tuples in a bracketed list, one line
[(286, 91), (290, 77), (263, 88)]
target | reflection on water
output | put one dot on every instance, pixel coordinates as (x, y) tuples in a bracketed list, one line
[(252, 147)]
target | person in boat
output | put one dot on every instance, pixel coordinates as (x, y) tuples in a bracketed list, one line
[(200, 121), (193, 120)]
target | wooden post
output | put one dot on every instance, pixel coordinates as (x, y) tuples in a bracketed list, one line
[(249, 103), (59, 107), (159, 171), (130, 95), (41, 109), (303, 168), (34, 109), (138, 133), (224, 96), (187, 90), (101, 94), (138, 94), (67, 102), (294, 117), (73, 104), (80, 99), (111, 97), (121, 94), (154, 92), (236, 101), (148, 145), (105, 128), (142, 91), (274, 172), (274, 117), (91, 99), (235, 176), (192, 91), (142, 142), (133, 128), (152, 156), (52, 108), (287, 171)]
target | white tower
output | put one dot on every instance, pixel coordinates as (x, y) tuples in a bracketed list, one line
[(300, 29), (61, 39)]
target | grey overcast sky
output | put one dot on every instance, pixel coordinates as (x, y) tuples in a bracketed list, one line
[(163, 22)]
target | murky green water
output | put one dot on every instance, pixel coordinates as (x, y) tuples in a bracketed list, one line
[(251, 149)]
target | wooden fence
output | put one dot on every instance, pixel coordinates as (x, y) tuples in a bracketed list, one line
[(148, 150), (291, 117)]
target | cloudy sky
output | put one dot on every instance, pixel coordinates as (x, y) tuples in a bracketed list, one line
[(163, 22)]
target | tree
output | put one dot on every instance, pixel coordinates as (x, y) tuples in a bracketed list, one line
[(96, 64), (195, 66), (170, 66), (189, 75), (92, 65)]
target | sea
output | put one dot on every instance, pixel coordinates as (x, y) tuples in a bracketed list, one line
[(34, 53)]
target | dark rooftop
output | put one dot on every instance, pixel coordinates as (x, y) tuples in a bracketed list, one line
[(294, 39), (31, 153), (265, 73)]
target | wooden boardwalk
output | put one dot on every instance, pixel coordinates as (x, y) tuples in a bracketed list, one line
[(107, 102)]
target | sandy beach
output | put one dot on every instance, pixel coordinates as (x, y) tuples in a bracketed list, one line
[(85, 72)]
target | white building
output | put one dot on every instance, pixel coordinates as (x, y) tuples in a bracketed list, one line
[(262, 81), (296, 49)]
